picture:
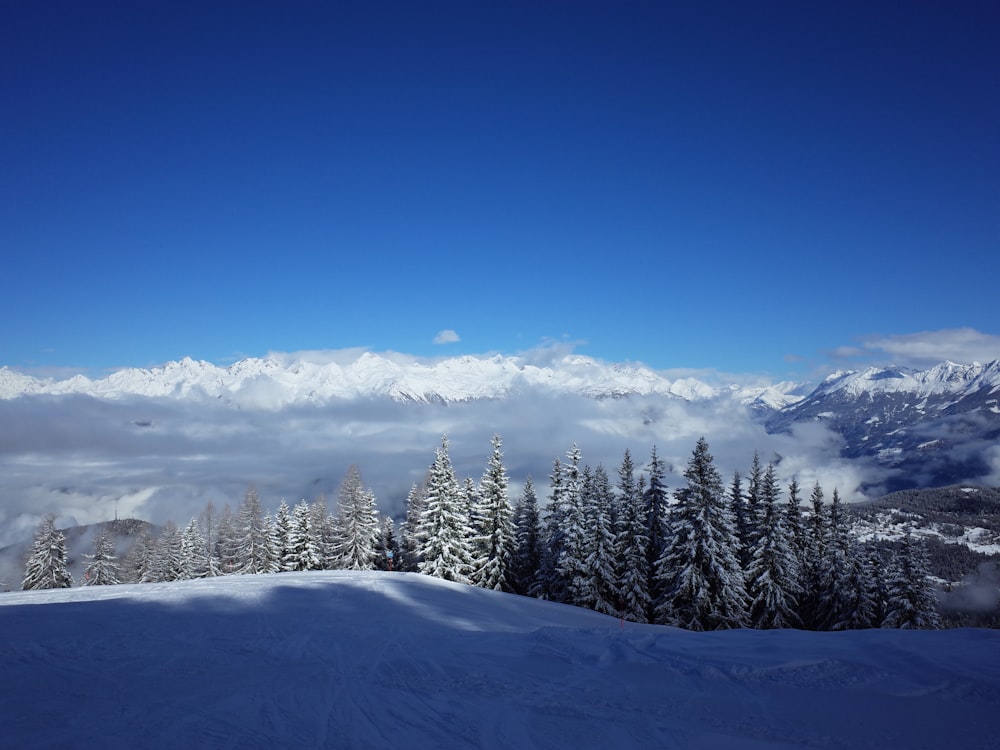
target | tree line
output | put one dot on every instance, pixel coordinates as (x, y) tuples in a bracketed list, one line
[(705, 557)]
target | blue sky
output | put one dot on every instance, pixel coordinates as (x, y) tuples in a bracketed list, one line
[(737, 187)]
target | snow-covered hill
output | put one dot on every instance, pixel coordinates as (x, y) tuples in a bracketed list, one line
[(272, 383), (377, 660), (936, 427)]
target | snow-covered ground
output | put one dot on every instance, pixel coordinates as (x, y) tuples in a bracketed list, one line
[(389, 660)]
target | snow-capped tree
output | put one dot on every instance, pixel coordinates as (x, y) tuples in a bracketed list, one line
[(387, 546), (738, 504), (631, 545), (838, 596), (410, 542), (548, 583), (194, 561), (657, 520), (254, 550), (445, 550), (102, 568), (358, 524), (600, 592), (572, 565), (817, 541), (772, 576), (703, 583), (47, 563), (303, 552), (911, 600), (166, 563), (528, 541), (282, 536), (227, 542), (494, 541), (138, 557)]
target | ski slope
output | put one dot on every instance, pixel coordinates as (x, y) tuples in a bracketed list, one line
[(388, 660)]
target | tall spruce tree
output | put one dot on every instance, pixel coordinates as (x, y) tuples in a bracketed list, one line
[(817, 541), (252, 549), (303, 551), (358, 524), (911, 601), (631, 544), (658, 531), (494, 541), (572, 567), (600, 592), (772, 576), (410, 541), (445, 550), (527, 557), (548, 584), (46, 566), (102, 568), (837, 585), (703, 583)]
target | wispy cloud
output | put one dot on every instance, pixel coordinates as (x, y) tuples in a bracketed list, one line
[(925, 348), (447, 336)]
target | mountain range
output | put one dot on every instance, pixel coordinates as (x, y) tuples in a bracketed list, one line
[(932, 427)]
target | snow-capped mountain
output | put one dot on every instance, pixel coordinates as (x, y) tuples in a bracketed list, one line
[(272, 383), (934, 425)]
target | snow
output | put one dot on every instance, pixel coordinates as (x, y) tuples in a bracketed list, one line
[(377, 660)]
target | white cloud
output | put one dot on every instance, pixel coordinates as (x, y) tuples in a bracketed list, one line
[(446, 336), (928, 348)]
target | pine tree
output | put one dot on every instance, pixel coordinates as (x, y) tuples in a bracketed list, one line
[(445, 550), (817, 540), (772, 577), (572, 566), (703, 583), (387, 554), (282, 536), (410, 540), (753, 509), (527, 557), (135, 565), (600, 593), (797, 531), (631, 544), (47, 564), (495, 539), (166, 563), (194, 561), (738, 503), (103, 568), (548, 584), (658, 531), (358, 524), (303, 551), (837, 586), (227, 542), (252, 549), (911, 601), (326, 534)]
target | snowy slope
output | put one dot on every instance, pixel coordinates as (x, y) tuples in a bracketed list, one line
[(273, 383), (380, 660)]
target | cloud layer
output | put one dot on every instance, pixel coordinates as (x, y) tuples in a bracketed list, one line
[(926, 348), (84, 458)]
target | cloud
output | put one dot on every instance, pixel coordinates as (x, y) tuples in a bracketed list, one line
[(447, 336), (926, 348), (163, 459)]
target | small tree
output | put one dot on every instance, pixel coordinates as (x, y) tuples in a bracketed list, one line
[(46, 567), (103, 568)]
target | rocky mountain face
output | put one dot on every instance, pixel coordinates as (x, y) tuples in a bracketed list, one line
[(934, 426)]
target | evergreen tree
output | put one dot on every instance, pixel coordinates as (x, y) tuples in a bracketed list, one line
[(410, 540), (817, 539), (103, 568), (47, 564), (600, 592), (135, 565), (657, 522), (445, 550), (495, 540), (753, 509), (772, 576), (797, 530), (837, 585), (253, 550), (911, 601), (303, 552), (166, 563), (194, 561), (548, 584), (703, 583), (326, 534), (387, 554), (738, 503), (527, 557), (631, 544), (572, 566), (282, 536), (227, 542), (358, 524)]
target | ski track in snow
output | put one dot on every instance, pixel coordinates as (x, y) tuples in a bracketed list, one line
[(379, 660)]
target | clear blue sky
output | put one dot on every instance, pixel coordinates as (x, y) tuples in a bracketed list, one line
[(707, 185)]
